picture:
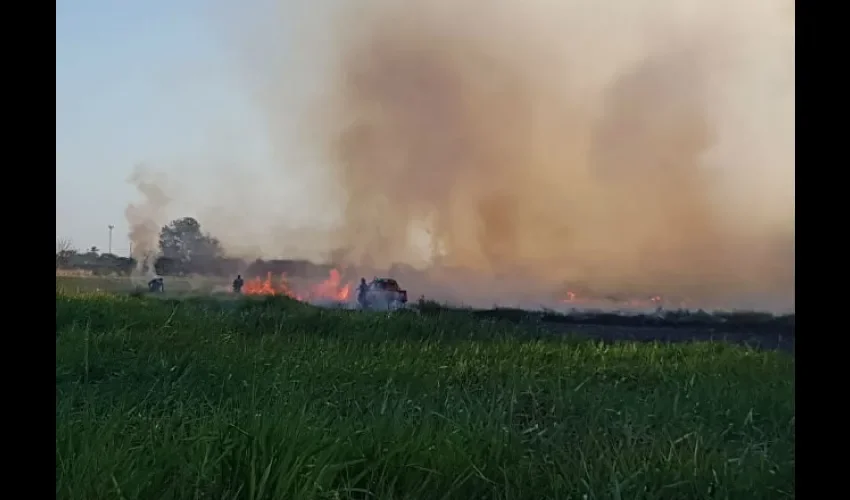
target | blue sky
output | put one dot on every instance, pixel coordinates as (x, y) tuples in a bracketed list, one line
[(136, 82)]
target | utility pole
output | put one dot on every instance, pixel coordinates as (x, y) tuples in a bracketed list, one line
[(111, 227)]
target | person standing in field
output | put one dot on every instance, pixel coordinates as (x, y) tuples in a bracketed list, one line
[(361, 292), (156, 285), (237, 284)]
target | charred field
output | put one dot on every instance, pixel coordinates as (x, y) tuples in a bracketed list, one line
[(756, 329), (751, 328), (268, 397)]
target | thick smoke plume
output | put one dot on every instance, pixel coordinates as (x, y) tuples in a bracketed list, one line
[(146, 217), (637, 147)]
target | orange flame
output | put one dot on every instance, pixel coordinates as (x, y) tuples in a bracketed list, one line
[(331, 288), (258, 286)]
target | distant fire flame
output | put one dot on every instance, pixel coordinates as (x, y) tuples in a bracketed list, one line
[(655, 301), (258, 286), (331, 288)]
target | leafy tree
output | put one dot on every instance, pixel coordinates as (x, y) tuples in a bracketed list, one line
[(190, 249), (167, 266)]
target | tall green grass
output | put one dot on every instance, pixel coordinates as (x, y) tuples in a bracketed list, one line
[(272, 399)]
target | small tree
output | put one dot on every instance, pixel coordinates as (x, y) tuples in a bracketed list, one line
[(64, 252)]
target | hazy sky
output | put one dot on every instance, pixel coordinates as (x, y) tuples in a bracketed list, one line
[(256, 113), (137, 82)]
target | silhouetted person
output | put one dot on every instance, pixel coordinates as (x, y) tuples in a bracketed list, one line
[(237, 284), (361, 292), (156, 285)]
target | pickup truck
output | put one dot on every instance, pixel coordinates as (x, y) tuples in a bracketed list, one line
[(384, 293)]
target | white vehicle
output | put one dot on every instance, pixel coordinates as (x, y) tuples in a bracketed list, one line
[(382, 293)]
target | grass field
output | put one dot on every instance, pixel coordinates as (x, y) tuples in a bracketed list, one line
[(124, 284), (272, 399)]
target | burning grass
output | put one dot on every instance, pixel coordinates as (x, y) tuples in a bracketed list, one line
[(273, 398), (329, 288), (333, 288)]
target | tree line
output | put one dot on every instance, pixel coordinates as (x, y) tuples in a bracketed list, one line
[(184, 249)]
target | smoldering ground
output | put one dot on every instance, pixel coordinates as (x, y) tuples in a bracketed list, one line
[(638, 147)]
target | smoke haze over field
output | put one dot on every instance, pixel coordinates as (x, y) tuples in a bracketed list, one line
[(642, 146), (146, 216)]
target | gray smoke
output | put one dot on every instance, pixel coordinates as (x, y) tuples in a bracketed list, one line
[(641, 147), (146, 217)]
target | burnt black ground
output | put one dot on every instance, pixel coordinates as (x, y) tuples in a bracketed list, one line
[(754, 329), (609, 333), (761, 331)]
